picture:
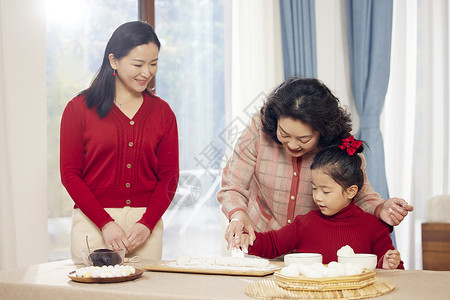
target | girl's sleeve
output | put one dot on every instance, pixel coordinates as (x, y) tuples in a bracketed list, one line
[(274, 243), (382, 242), (71, 166), (238, 172)]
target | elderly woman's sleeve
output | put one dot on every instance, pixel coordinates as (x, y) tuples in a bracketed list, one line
[(367, 198), (238, 172)]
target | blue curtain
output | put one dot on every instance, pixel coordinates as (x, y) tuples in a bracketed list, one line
[(298, 32), (369, 24)]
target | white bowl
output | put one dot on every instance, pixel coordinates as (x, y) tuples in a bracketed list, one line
[(368, 261), (302, 258)]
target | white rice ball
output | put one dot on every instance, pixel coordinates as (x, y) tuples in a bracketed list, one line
[(359, 268), (314, 273), (295, 267), (318, 266), (333, 272), (332, 264), (290, 272), (346, 251), (351, 271), (304, 268)]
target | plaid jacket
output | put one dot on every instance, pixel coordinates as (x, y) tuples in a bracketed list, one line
[(263, 180)]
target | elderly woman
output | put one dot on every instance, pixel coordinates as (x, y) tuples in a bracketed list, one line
[(267, 180)]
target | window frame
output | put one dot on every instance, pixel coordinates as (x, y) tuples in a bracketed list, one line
[(146, 11)]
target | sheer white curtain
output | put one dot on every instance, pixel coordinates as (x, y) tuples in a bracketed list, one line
[(255, 60), (7, 244), (416, 115), (253, 63), (23, 172)]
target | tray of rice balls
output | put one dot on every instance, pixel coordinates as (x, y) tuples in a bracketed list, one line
[(305, 271), (105, 274), (104, 266), (320, 277), (318, 281), (305, 277)]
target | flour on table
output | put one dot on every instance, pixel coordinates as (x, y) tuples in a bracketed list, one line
[(221, 262)]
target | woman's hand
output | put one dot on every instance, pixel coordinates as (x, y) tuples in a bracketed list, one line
[(391, 259), (394, 210), (239, 224), (115, 238), (138, 234)]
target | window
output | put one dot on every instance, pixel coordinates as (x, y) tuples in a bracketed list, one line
[(77, 32), (190, 78)]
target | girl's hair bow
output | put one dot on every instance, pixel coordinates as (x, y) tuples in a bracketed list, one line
[(350, 145)]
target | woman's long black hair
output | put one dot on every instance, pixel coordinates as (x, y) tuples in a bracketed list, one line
[(127, 36), (310, 101)]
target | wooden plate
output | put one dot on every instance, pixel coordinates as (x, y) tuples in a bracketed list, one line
[(72, 275), (240, 271)]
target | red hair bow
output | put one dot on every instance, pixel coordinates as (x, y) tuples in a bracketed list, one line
[(350, 145)]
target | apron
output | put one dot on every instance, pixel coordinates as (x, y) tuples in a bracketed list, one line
[(126, 217)]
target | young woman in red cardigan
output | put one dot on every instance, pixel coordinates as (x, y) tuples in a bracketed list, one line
[(336, 179), (119, 150)]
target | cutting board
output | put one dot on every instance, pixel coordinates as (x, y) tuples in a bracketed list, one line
[(215, 270)]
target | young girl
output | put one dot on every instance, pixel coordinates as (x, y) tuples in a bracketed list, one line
[(336, 179)]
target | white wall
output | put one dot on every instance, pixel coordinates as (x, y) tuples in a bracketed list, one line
[(24, 101)]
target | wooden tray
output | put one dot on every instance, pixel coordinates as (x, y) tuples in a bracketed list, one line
[(268, 289), (219, 270), (326, 284), (72, 275)]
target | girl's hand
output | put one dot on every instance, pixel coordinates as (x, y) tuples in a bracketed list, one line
[(239, 224), (394, 210), (138, 234), (391, 259), (115, 238), (244, 242)]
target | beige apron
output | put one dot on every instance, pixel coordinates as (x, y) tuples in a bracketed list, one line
[(126, 217)]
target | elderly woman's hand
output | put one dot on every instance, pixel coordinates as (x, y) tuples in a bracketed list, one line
[(239, 223), (394, 210)]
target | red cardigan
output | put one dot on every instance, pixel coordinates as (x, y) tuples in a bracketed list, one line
[(117, 161), (317, 233)]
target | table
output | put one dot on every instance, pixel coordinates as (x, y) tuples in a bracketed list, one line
[(50, 281)]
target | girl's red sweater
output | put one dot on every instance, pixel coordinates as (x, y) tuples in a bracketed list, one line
[(317, 233)]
